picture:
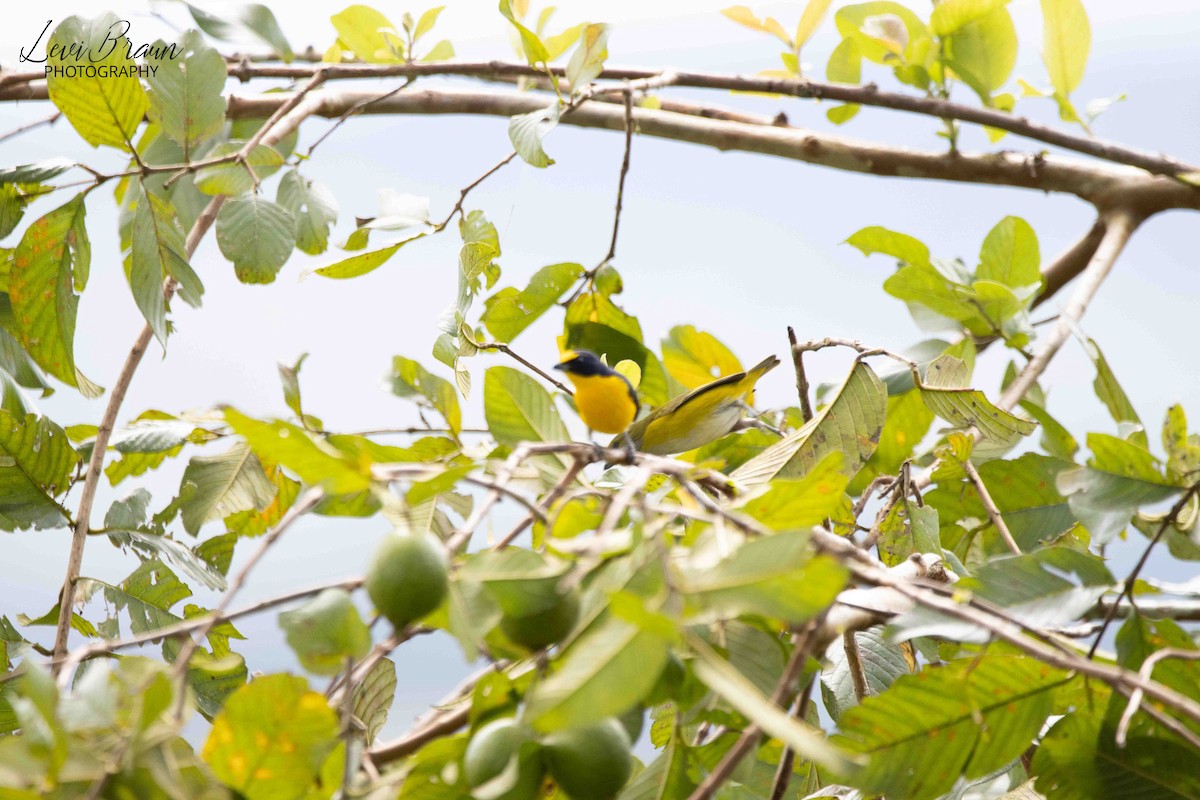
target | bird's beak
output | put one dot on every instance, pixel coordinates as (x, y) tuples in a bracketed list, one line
[(562, 366)]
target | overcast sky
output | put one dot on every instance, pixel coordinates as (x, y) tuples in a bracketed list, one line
[(740, 245)]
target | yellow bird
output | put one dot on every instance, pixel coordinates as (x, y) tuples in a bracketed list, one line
[(605, 399), (703, 415)]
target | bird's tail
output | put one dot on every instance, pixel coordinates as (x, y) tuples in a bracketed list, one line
[(757, 371)]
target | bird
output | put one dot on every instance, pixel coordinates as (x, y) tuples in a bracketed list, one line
[(605, 399), (703, 415)]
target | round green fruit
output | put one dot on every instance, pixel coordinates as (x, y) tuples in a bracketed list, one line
[(544, 628), (408, 578), (491, 750), (591, 763)]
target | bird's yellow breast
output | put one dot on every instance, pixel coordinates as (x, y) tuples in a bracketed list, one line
[(604, 402)]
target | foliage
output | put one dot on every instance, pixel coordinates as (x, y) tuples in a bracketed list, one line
[(705, 590)]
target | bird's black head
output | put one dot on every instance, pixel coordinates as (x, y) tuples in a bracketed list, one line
[(582, 362)]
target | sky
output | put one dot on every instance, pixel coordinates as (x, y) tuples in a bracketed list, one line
[(737, 244)]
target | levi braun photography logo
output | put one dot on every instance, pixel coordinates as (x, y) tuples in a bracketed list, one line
[(106, 52)]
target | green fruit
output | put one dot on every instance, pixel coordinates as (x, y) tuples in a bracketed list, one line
[(407, 579), (491, 750), (544, 628), (633, 721), (591, 763)]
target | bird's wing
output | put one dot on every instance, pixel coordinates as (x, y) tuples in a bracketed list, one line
[(701, 403)]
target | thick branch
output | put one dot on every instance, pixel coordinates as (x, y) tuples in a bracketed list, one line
[(869, 95), (1101, 185)]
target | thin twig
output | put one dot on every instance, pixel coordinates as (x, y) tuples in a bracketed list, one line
[(81, 654), (50, 120), (806, 409), (508, 351), (752, 734), (1128, 585), (305, 503), (989, 505), (612, 245), (787, 762), (1147, 670), (858, 677), (558, 490), (354, 110), (466, 190)]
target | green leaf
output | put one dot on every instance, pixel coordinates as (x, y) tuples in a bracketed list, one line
[(158, 251), (316, 462), (1120, 478), (883, 31), (587, 62), (368, 34), (882, 663), (1113, 396), (147, 595), (510, 311), (983, 52), (314, 207), (14, 197), (1077, 759), (976, 715), (844, 66), (851, 424), (50, 266), (363, 263), (535, 52), (272, 738), (233, 177), (744, 16), (102, 109), (518, 409), (798, 504), (950, 16), (946, 394), (326, 631), (38, 172), (1010, 255), (253, 18), (223, 484), (900, 246), (603, 673), (257, 236), (410, 379), (154, 545), (695, 358), (810, 19), (526, 131), (36, 461), (774, 576), (1066, 40), (373, 697), (1045, 588), (1024, 492), (1183, 449), (907, 421), (185, 95), (726, 681)]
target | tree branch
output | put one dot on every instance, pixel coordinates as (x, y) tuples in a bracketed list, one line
[(1099, 184), (282, 121), (989, 505), (1119, 225), (25, 86)]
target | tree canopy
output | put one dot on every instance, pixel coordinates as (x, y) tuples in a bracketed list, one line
[(898, 585)]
